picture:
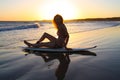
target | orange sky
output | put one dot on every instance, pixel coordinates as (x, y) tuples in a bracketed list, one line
[(46, 9)]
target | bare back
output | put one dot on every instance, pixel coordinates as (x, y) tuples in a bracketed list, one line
[(62, 34)]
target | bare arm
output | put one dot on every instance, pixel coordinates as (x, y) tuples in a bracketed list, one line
[(66, 41)]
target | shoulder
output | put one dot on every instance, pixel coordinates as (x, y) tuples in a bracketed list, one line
[(63, 27)]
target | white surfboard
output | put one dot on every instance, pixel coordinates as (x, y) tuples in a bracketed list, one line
[(59, 50)]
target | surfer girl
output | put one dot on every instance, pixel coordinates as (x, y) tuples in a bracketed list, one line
[(59, 42)]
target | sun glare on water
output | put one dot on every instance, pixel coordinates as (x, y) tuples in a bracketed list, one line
[(49, 9)]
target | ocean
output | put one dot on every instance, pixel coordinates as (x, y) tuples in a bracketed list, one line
[(14, 65)]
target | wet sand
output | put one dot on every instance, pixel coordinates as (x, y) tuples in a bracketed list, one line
[(14, 65), (106, 65)]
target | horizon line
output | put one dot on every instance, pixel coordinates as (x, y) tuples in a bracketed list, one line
[(118, 18)]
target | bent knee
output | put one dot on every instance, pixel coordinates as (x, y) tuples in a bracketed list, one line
[(46, 33)]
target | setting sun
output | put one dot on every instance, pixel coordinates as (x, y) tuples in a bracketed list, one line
[(64, 8), (32, 10)]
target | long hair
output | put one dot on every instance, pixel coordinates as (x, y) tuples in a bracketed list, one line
[(57, 20)]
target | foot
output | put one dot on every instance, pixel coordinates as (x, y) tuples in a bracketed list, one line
[(27, 43)]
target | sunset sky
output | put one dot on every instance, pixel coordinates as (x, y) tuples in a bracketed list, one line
[(15, 10)]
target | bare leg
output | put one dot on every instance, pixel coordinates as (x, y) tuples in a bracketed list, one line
[(42, 44), (39, 43), (48, 36), (27, 43)]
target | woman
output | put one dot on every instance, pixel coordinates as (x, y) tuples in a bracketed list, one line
[(59, 42)]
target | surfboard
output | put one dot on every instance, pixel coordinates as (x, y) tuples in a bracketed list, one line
[(59, 50)]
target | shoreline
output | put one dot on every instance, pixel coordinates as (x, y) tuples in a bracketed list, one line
[(105, 66), (74, 20)]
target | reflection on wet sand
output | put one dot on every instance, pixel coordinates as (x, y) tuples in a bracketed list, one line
[(64, 60)]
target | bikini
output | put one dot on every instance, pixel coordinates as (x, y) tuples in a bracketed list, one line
[(62, 37)]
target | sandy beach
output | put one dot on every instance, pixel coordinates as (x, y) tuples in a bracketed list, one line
[(105, 66), (91, 26), (14, 65)]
